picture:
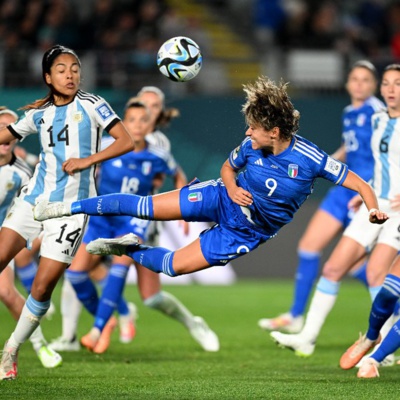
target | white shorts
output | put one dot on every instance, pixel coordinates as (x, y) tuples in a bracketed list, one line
[(367, 234), (61, 236)]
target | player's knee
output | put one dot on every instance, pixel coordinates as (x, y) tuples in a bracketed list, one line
[(332, 272), (375, 277), (7, 295)]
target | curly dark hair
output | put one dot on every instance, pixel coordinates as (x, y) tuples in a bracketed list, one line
[(268, 105)]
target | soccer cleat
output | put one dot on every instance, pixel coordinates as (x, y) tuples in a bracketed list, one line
[(46, 210), (203, 335), (48, 357), (63, 344), (99, 343), (284, 322), (127, 329), (295, 342), (368, 369), (8, 364), (357, 351), (115, 246)]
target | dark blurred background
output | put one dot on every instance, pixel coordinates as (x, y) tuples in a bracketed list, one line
[(310, 43)]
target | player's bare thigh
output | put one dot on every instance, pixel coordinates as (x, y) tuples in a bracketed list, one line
[(189, 259), (11, 244), (346, 254), (166, 206), (321, 230), (379, 263)]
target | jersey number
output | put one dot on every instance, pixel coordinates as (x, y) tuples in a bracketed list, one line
[(62, 136), (70, 237), (129, 185), (384, 145), (271, 184)]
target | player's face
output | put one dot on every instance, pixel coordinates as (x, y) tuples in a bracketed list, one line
[(137, 121), (361, 84), (154, 104), (65, 77), (261, 138), (390, 91), (6, 148)]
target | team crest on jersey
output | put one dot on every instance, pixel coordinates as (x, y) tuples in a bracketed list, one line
[(104, 111), (77, 117), (146, 168), (196, 196), (361, 119), (10, 185), (333, 166), (236, 153), (293, 170)]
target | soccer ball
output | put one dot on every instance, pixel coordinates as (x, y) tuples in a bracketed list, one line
[(179, 59)]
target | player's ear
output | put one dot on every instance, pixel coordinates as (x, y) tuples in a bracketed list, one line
[(47, 78), (275, 132)]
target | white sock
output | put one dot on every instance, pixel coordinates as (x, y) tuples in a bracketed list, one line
[(70, 310), (320, 307), (171, 306), (26, 324), (37, 339)]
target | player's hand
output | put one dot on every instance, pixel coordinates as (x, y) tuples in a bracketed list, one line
[(377, 217), (395, 203), (240, 196), (75, 165), (355, 203)]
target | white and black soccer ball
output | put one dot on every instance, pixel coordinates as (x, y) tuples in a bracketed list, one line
[(179, 59)]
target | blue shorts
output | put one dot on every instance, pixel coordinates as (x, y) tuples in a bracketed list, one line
[(115, 226), (233, 235), (335, 204)]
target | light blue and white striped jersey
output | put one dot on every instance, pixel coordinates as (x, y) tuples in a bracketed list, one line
[(385, 145), (13, 176), (70, 131)]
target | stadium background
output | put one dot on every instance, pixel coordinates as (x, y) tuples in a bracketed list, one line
[(307, 42)]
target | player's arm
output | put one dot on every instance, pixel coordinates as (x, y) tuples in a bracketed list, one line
[(122, 144), (6, 135), (354, 182), (237, 194), (180, 179), (340, 154)]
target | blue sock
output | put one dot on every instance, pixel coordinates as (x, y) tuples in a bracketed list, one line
[(38, 308), (122, 305), (360, 274), (307, 271), (156, 259), (111, 295), (390, 343), (383, 305), (26, 275), (84, 288), (116, 204)]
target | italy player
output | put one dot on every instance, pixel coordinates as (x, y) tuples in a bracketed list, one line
[(387, 126), (264, 182), (333, 215), (359, 236), (14, 174), (69, 124), (133, 172)]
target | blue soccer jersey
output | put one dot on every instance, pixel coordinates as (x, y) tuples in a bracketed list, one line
[(70, 131), (386, 151), (13, 176), (132, 173), (281, 183), (356, 136)]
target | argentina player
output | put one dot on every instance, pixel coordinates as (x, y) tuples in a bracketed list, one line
[(69, 124), (264, 182)]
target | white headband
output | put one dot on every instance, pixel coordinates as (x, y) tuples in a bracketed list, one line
[(7, 111)]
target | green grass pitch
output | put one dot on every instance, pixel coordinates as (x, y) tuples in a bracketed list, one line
[(163, 362)]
